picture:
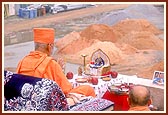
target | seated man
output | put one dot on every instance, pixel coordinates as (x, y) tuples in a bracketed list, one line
[(39, 63), (139, 99)]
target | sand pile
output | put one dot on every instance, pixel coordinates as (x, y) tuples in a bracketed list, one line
[(126, 48), (114, 53), (61, 43), (158, 66), (129, 25), (137, 33), (148, 72), (74, 46), (143, 40), (71, 44), (100, 32), (121, 42)]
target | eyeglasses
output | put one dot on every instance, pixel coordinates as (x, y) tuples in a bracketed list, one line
[(52, 45)]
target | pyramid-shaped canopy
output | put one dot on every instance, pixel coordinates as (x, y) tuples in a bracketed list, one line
[(99, 57)]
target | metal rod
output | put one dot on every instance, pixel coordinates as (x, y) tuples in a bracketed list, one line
[(84, 62)]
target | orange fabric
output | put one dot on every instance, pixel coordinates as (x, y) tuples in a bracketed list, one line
[(84, 89), (49, 69), (139, 108), (44, 35)]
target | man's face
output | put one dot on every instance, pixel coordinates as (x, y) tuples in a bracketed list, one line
[(161, 75), (52, 49), (157, 74)]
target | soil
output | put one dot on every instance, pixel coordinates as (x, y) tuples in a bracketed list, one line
[(129, 49)]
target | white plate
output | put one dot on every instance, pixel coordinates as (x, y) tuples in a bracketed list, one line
[(117, 84), (124, 89), (106, 79), (113, 88), (81, 80)]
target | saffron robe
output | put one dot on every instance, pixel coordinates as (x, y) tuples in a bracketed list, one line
[(139, 108), (40, 65)]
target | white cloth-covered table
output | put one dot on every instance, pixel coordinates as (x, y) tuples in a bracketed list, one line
[(102, 86)]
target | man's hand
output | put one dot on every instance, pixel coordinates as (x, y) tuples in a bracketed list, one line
[(61, 62)]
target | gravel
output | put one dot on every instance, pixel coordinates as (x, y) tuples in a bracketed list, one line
[(152, 13)]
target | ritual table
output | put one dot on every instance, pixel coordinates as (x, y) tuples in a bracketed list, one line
[(102, 86)]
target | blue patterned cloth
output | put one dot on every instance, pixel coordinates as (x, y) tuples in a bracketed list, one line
[(27, 93), (93, 104)]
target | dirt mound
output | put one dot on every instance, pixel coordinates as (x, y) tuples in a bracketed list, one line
[(110, 49), (116, 52), (100, 32), (66, 40), (126, 48), (148, 72), (143, 40), (129, 25), (74, 42), (158, 66), (131, 45), (75, 46), (137, 33)]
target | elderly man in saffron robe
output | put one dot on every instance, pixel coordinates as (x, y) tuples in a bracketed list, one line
[(139, 98), (39, 63)]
